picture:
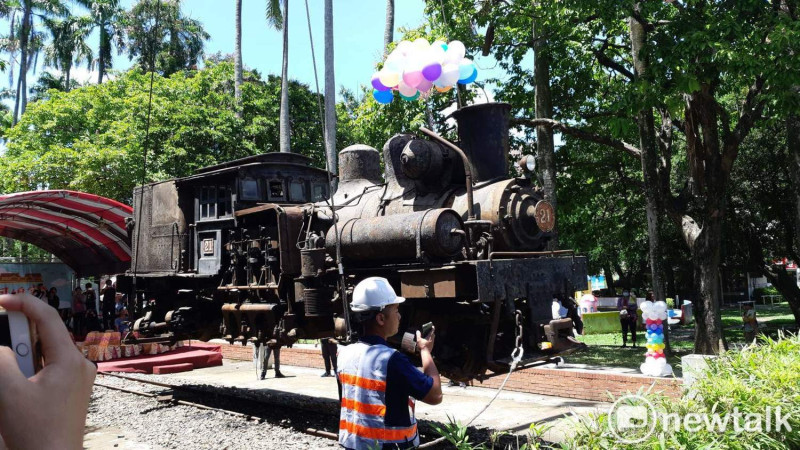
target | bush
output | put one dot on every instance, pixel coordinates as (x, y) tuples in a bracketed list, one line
[(749, 381), (762, 291), (670, 303)]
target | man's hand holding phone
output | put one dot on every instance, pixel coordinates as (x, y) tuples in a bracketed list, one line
[(426, 337), (47, 410)]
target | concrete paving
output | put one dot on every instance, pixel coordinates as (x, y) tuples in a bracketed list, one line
[(511, 411)]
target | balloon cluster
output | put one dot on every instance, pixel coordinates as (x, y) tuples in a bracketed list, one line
[(655, 316), (416, 69)]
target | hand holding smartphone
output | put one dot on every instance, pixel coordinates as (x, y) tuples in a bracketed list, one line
[(57, 395), (17, 334)]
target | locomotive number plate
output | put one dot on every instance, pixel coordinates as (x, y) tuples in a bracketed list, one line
[(545, 216), (208, 246)]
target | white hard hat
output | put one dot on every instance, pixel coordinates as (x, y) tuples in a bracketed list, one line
[(374, 293)]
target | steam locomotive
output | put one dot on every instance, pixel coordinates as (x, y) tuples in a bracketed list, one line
[(259, 250)]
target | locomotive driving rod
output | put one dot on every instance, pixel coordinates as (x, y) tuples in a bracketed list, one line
[(467, 166)]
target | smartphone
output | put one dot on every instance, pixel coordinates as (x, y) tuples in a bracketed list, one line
[(426, 330), (15, 333)]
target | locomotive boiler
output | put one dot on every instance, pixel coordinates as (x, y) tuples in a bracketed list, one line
[(258, 250)]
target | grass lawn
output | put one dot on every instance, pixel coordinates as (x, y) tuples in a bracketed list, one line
[(605, 349)]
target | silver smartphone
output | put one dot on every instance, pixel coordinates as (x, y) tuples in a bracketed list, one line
[(15, 333)]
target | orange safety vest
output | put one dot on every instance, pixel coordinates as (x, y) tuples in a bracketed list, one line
[(362, 374)]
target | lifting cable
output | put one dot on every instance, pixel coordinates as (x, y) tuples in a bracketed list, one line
[(516, 357), (153, 36), (340, 267)]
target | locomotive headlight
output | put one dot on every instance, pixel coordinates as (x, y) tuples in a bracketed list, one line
[(527, 164)]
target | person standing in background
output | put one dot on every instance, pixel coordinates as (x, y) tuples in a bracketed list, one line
[(109, 295), (329, 349), (78, 312), (626, 305), (90, 298)]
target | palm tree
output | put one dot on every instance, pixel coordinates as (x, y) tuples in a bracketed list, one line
[(237, 66), (68, 44), (330, 90), (280, 21), (30, 42), (107, 17), (388, 31), (178, 42)]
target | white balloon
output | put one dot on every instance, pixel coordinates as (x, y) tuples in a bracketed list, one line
[(395, 63), (449, 75), (421, 45), (403, 47), (455, 52), (435, 54), (661, 305)]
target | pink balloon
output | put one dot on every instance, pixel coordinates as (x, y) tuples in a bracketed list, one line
[(424, 86), (413, 78)]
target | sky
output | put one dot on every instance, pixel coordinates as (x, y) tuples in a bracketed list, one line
[(358, 37)]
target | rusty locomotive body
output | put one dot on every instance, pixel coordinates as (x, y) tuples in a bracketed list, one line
[(258, 251)]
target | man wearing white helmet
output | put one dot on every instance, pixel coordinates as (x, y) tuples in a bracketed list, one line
[(377, 383)]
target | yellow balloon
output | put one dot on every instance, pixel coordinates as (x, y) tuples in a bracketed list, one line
[(389, 78), (443, 89)]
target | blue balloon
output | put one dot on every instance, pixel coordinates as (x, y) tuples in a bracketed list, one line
[(465, 71), (470, 78), (383, 97)]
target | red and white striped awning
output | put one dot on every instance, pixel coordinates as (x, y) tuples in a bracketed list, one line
[(85, 231)]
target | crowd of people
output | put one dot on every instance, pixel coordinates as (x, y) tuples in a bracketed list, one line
[(85, 311)]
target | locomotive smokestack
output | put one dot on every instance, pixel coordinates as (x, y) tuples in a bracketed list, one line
[(483, 132), (360, 162)]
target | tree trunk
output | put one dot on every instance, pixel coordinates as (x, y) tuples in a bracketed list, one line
[(285, 145), (330, 92), (709, 339), (388, 31), (669, 273), (237, 55), (649, 159), (609, 277), (101, 60), (793, 147), (67, 80), (544, 109), (785, 284), (22, 85)]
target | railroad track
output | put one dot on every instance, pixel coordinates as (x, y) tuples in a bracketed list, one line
[(249, 409)]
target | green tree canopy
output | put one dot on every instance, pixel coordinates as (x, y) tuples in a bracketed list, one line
[(92, 139)]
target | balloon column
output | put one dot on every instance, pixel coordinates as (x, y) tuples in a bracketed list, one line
[(655, 316), (417, 69)]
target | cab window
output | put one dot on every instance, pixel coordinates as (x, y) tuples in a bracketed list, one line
[(215, 202), (249, 191), (275, 190)]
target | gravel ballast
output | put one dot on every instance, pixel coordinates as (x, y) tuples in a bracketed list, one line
[(163, 425)]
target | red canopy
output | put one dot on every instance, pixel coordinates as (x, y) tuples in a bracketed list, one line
[(85, 231)]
